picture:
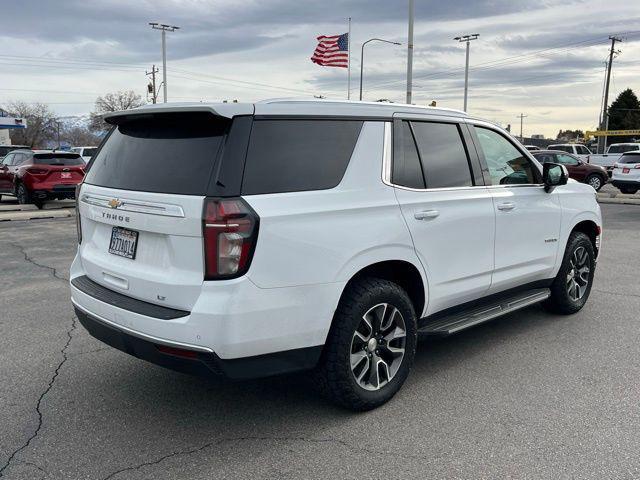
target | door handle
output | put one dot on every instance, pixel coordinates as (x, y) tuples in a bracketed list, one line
[(506, 206), (426, 214)]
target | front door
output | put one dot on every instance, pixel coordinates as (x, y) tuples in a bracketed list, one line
[(527, 217), (5, 183)]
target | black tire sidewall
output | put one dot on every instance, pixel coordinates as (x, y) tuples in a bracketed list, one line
[(560, 300), (22, 194), (353, 306)]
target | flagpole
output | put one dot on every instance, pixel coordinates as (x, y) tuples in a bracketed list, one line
[(349, 62)]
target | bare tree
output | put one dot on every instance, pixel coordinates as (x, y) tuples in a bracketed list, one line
[(79, 136), (112, 102), (41, 123)]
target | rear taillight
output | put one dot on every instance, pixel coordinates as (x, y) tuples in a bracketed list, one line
[(230, 231), (637, 165), (36, 171), (78, 221)]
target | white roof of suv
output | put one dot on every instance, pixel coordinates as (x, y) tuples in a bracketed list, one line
[(294, 106)]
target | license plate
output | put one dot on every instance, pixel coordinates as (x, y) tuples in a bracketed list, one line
[(124, 242), (626, 170), (65, 175)]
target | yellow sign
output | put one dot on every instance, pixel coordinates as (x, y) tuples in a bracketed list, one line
[(612, 133)]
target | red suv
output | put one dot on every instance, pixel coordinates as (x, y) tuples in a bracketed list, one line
[(578, 169), (40, 175)]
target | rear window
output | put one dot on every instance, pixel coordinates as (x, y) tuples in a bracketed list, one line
[(57, 159), (89, 152), (622, 148), (630, 158), (562, 148), (164, 153), (297, 155)]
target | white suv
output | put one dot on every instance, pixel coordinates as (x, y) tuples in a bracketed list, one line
[(256, 239)]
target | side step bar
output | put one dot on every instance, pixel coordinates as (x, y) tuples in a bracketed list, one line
[(479, 314)]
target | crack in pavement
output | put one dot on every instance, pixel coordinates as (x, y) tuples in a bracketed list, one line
[(249, 438), (63, 351), (53, 270)]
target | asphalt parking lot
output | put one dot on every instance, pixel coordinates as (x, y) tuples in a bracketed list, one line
[(530, 395)]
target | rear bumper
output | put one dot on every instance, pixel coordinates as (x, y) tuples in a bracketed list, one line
[(55, 191), (199, 362), (625, 183)]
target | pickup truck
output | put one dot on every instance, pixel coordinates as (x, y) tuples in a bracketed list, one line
[(614, 152)]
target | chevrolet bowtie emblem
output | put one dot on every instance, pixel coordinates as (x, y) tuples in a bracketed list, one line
[(114, 203)]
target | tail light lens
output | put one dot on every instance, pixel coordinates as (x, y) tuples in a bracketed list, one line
[(78, 221), (36, 171), (230, 231)]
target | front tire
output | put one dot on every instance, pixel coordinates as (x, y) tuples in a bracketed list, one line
[(572, 286), (371, 345), (24, 196), (596, 181)]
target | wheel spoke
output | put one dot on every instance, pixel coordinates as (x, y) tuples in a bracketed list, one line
[(357, 358), (583, 274), (374, 374), (388, 322), (364, 370)]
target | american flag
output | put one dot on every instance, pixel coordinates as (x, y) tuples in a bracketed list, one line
[(332, 51)]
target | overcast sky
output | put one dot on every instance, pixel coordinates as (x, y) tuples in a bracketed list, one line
[(541, 58)]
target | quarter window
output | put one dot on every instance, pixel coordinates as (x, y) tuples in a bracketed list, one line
[(507, 165), (297, 155)]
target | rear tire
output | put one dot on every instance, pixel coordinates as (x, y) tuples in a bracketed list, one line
[(370, 347), (39, 204), (596, 181), (571, 287), (628, 190)]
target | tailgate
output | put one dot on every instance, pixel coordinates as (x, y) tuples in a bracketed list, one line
[(64, 175), (168, 265)]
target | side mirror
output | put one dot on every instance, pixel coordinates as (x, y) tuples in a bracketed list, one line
[(553, 175)]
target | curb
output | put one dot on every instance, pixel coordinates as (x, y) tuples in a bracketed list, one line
[(38, 214), (619, 200)]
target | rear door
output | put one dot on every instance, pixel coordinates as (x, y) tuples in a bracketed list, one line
[(141, 206), (527, 218), (447, 209)]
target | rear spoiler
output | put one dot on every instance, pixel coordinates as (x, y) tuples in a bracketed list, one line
[(226, 110)]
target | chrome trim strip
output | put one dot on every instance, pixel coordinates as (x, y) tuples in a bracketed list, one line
[(135, 333), (139, 206), (387, 153)]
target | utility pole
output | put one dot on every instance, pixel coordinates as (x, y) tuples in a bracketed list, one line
[(604, 123), (410, 53), (522, 116), (164, 29), (152, 87), (466, 39)]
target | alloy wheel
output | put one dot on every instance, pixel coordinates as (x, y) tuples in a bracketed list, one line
[(595, 182), (579, 275), (377, 346)]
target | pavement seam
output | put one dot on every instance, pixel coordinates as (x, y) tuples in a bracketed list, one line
[(63, 351), (53, 270), (616, 293)]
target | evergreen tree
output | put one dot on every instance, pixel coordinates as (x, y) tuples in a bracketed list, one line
[(624, 114)]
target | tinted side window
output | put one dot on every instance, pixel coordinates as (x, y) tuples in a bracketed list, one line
[(566, 159), (444, 158), (507, 166), (7, 160), (18, 158), (297, 155), (407, 171)]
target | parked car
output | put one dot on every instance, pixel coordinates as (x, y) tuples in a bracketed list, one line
[(532, 148), (614, 152), (581, 151), (4, 149), (85, 152), (626, 173), (578, 169), (325, 235), (35, 176)]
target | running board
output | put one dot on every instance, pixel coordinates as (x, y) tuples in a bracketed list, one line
[(479, 314)]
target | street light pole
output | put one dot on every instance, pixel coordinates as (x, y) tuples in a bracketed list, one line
[(466, 39), (362, 57), (164, 29)]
